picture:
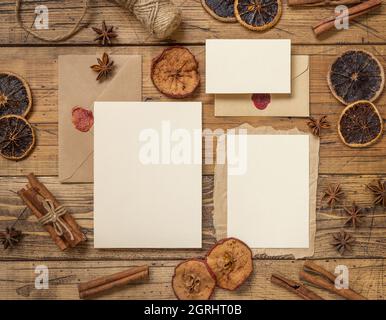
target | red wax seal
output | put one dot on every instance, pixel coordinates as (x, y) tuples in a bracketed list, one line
[(261, 100), (82, 119)]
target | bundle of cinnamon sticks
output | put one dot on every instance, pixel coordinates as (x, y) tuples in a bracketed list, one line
[(318, 277), (104, 284), (61, 226)]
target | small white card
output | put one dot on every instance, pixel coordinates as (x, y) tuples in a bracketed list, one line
[(268, 205), (147, 175), (248, 66)]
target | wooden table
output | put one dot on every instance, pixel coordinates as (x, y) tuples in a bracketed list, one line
[(37, 62)]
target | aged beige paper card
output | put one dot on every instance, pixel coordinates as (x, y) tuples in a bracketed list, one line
[(220, 194), (248, 66), (147, 171), (268, 203), (296, 104)]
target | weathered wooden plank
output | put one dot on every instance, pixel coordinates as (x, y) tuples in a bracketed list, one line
[(78, 198), (17, 279), (196, 27), (39, 66)]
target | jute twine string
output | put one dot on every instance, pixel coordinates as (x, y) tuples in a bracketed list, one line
[(160, 17), (38, 35), (54, 216)]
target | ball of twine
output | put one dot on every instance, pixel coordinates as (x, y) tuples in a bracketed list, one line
[(160, 17)]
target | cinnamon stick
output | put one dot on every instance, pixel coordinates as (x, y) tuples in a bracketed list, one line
[(33, 195), (295, 287), (353, 12), (103, 284), (28, 197), (320, 277), (68, 218), (319, 3)]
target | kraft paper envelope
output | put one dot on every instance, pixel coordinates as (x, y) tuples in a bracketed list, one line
[(248, 66), (220, 212), (78, 87), (148, 175), (296, 104)]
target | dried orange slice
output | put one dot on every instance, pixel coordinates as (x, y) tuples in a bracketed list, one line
[(231, 262), (15, 95), (223, 10), (175, 72), (258, 15), (356, 75), (193, 280), (17, 137), (360, 124)]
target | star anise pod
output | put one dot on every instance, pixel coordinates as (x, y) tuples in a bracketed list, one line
[(316, 125), (342, 241), (104, 66), (10, 237), (104, 34), (379, 191), (355, 215), (333, 194)]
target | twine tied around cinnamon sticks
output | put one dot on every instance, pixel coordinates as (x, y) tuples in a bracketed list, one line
[(35, 195), (53, 216)]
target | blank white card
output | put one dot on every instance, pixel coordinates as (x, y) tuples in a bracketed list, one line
[(147, 175), (268, 201)]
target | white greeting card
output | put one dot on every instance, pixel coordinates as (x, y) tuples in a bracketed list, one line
[(147, 175), (268, 201), (248, 66)]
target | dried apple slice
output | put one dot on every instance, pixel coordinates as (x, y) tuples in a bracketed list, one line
[(15, 95), (193, 280), (356, 75), (231, 262), (175, 72), (360, 124), (17, 137)]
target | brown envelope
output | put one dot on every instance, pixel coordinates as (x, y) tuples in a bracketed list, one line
[(295, 104), (78, 87)]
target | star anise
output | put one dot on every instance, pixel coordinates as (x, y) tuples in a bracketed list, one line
[(342, 241), (379, 191), (104, 66), (104, 34), (333, 194), (355, 215), (316, 125), (10, 237)]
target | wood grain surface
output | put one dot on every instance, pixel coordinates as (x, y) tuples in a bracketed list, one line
[(37, 62)]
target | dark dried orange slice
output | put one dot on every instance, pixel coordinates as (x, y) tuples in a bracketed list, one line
[(231, 262), (175, 72), (356, 75), (223, 10), (17, 137), (193, 280), (360, 124), (258, 15), (15, 95)]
